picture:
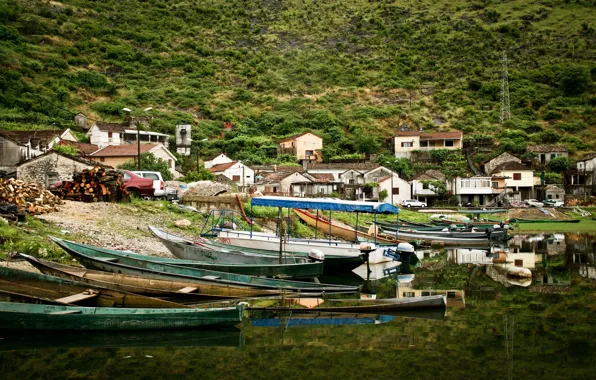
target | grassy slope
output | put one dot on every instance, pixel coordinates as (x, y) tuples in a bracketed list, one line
[(344, 69)]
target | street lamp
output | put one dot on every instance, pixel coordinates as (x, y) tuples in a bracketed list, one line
[(198, 151), (128, 110)]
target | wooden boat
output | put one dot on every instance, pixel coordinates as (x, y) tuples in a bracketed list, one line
[(521, 220), (359, 305), (333, 264), (340, 230), (22, 316), (62, 291), (123, 263), (187, 292), (445, 239), (301, 270)]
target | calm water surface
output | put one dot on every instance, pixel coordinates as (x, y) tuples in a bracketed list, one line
[(496, 327)]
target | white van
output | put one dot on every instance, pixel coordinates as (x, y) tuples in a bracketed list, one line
[(158, 182)]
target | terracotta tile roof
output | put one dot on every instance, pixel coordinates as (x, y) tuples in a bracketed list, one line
[(110, 127), (344, 166), (296, 136), (276, 176), (510, 166), (82, 160), (84, 148), (222, 167), (546, 148), (129, 150), (323, 177)]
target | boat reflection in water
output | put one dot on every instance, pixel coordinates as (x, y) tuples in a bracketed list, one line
[(14, 341)]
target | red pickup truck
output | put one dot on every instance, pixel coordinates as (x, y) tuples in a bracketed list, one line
[(137, 185)]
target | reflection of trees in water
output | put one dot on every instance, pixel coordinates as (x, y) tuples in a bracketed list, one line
[(509, 325)]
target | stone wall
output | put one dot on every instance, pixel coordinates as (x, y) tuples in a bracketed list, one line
[(49, 169)]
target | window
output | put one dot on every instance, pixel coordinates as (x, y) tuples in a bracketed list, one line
[(53, 177), (495, 185), (423, 144), (409, 294), (350, 181), (126, 176), (406, 144), (309, 153), (517, 176), (396, 191), (321, 191), (425, 294), (451, 295), (153, 176), (102, 159), (424, 185), (110, 134), (448, 142), (519, 263), (553, 155), (557, 196), (235, 178)]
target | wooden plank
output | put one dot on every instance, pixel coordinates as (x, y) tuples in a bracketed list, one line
[(188, 289), (78, 297), (65, 312)]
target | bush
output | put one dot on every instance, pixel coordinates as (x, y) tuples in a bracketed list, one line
[(575, 80)]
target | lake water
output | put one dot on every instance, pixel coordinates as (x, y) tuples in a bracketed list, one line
[(495, 328)]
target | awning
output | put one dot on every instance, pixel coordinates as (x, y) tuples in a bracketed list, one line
[(325, 204)]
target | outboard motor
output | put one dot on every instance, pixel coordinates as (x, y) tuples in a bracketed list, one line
[(367, 247), (452, 227), (316, 255), (405, 248)]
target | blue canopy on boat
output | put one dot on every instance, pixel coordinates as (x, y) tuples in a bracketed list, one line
[(325, 204)]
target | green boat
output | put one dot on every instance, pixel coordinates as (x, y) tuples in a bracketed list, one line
[(521, 220), (116, 262), (22, 316)]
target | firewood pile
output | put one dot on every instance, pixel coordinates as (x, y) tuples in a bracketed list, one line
[(27, 196), (93, 185)]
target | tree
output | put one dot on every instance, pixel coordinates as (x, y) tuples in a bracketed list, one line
[(383, 195), (150, 162), (402, 166), (203, 175), (559, 164), (575, 80), (439, 187)]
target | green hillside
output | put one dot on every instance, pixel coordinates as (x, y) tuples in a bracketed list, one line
[(352, 71)]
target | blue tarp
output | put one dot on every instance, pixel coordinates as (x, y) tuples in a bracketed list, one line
[(325, 204)]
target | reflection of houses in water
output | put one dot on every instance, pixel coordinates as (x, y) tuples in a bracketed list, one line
[(427, 253), (455, 298), (587, 271), (581, 252), (507, 258), (555, 245), (469, 256), (550, 244)]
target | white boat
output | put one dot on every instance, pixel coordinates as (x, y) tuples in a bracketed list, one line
[(260, 240)]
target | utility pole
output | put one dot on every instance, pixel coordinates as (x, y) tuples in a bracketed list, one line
[(505, 105), (138, 125)]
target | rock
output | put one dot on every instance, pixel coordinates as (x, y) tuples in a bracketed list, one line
[(183, 223)]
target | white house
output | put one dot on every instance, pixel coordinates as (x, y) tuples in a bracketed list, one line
[(518, 180), (236, 171), (406, 142), (337, 169), (284, 184), (103, 134), (477, 190), (583, 181), (216, 160), (423, 190)]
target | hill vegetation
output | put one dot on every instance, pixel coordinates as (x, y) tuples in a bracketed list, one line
[(353, 72)]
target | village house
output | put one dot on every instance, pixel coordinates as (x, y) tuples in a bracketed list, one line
[(518, 180), (104, 134), (480, 190), (422, 188), (583, 178), (290, 184), (52, 167), (545, 153), (20, 146), (241, 174), (338, 168), (221, 158), (113, 155), (305, 146), (407, 142)]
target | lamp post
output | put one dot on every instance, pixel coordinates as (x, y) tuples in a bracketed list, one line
[(199, 151), (128, 110)]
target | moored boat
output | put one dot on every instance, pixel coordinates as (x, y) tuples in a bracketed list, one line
[(22, 316), (521, 220), (123, 263)]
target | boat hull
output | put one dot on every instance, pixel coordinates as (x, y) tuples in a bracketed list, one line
[(16, 316)]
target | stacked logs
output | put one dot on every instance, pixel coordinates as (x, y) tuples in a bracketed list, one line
[(93, 185), (27, 196)]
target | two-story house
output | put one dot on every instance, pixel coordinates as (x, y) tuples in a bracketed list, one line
[(356, 185), (114, 155), (406, 142), (583, 178), (305, 146), (545, 153), (103, 134), (478, 190), (241, 174), (518, 180)]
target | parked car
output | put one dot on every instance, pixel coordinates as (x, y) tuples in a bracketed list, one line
[(534, 203), (158, 182), (553, 203), (137, 185), (413, 203)]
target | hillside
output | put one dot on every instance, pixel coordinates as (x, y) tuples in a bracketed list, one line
[(352, 71)]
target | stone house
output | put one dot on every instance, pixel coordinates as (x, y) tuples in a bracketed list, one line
[(502, 158), (545, 153), (241, 174), (52, 167), (554, 192), (407, 142), (84, 149), (114, 155), (305, 146), (20, 146)]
